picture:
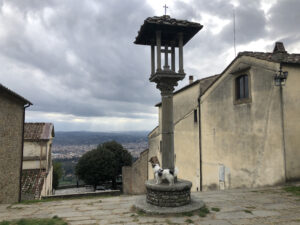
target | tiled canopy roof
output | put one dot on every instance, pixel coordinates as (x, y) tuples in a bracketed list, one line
[(38, 131), (279, 55), (4, 89), (169, 27)]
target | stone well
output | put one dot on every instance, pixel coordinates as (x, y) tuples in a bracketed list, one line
[(165, 195)]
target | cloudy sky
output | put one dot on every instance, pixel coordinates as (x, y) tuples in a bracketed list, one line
[(76, 62)]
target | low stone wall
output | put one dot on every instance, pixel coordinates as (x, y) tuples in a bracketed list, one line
[(134, 176), (102, 193)]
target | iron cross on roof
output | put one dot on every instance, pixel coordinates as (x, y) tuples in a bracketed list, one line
[(165, 6)]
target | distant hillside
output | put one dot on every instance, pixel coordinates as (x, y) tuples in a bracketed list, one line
[(94, 138)]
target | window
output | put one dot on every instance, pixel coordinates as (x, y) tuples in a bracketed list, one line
[(242, 87), (195, 116)]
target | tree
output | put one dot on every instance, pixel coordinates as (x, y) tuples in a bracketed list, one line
[(96, 166), (121, 157), (57, 174)]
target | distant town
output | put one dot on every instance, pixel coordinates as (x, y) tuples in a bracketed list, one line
[(68, 145), (76, 151)]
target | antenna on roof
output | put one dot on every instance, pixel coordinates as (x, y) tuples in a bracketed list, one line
[(234, 32)]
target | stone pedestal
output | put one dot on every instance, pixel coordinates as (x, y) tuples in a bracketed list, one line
[(164, 195)]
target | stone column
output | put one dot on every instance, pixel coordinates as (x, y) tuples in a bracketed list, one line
[(152, 59), (158, 50), (167, 126), (166, 66), (173, 58), (180, 37)]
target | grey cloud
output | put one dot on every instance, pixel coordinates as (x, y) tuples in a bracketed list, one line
[(284, 20), (99, 36), (78, 57)]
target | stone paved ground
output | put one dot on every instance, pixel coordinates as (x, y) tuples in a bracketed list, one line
[(247, 206)]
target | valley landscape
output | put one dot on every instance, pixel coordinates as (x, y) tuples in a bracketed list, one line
[(68, 147)]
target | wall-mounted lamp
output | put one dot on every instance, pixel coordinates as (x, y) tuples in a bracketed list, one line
[(280, 78)]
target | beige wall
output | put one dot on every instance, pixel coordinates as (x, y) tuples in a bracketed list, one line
[(135, 176), (291, 106), (11, 127), (244, 139)]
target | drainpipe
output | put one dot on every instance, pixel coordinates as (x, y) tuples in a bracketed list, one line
[(282, 126), (200, 138), (22, 144)]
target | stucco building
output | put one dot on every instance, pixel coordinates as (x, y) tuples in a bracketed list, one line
[(12, 114), (240, 128), (37, 161)]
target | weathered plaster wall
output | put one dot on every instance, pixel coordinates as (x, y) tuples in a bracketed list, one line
[(135, 176), (187, 150), (37, 155), (291, 107), (34, 149), (11, 127), (243, 139), (186, 136)]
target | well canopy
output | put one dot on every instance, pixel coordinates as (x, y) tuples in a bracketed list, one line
[(170, 29)]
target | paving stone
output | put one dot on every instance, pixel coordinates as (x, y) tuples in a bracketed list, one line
[(253, 221), (119, 211), (230, 208), (131, 223), (213, 222), (90, 222), (78, 218), (150, 220), (264, 213), (122, 220), (70, 214), (179, 220), (86, 208), (279, 206), (104, 217), (234, 215)]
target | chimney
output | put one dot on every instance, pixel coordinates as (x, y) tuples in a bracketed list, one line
[(279, 48), (191, 79)]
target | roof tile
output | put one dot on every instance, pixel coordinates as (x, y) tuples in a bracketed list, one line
[(38, 131)]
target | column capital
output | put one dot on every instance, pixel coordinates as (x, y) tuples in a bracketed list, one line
[(166, 87)]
